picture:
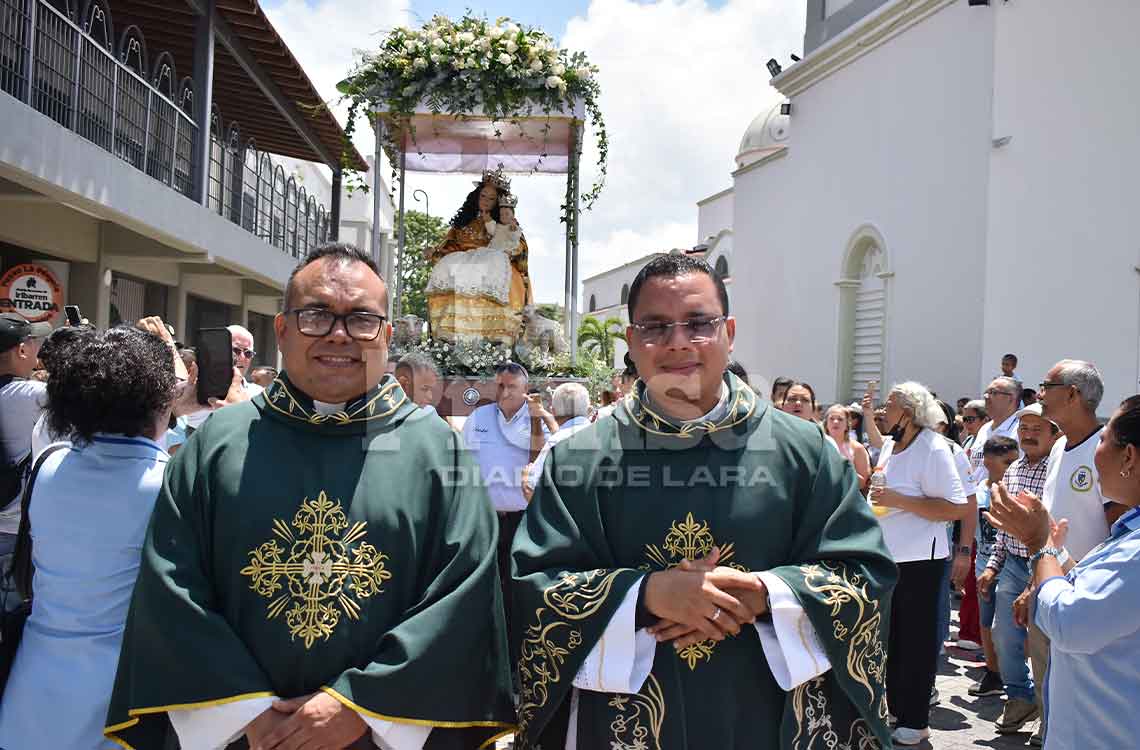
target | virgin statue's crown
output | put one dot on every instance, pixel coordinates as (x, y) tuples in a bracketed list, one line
[(506, 200), (496, 178)]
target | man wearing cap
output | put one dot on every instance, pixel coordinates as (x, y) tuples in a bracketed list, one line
[(22, 400), (1009, 567)]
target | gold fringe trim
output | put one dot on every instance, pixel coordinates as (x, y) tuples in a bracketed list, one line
[(135, 713), (417, 722)]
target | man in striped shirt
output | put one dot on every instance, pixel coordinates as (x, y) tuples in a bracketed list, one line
[(1009, 566)]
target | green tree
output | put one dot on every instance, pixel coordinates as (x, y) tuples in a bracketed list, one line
[(550, 310), (599, 337), (423, 231)]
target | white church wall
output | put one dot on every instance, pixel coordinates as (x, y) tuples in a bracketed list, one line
[(1063, 219), (714, 214), (897, 140)]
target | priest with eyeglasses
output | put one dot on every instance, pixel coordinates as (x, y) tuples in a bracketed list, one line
[(698, 569), (311, 568)]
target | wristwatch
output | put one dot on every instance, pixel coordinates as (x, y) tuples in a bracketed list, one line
[(963, 549), (1057, 553)]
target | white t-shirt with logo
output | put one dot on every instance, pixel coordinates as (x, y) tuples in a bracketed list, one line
[(927, 468), (1072, 491)]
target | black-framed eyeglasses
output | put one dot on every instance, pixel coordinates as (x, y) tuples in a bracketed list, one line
[(698, 330), (1046, 385), (247, 353), (996, 392), (971, 420), (314, 321)]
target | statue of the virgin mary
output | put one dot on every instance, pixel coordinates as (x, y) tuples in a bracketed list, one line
[(479, 283)]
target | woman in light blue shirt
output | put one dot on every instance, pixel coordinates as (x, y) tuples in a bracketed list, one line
[(1091, 614), (89, 510)]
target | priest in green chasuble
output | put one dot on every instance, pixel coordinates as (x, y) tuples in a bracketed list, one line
[(698, 570), (317, 574)]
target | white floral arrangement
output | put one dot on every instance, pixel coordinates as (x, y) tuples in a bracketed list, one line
[(457, 67)]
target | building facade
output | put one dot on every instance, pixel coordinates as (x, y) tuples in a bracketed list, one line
[(951, 183), (141, 168)]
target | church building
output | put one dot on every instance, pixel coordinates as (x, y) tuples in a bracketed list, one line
[(945, 181)]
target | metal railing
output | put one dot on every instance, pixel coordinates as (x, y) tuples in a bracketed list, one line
[(49, 62)]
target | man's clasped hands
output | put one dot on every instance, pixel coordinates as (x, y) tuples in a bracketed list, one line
[(701, 600)]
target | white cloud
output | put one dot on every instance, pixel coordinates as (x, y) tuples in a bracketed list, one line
[(681, 81)]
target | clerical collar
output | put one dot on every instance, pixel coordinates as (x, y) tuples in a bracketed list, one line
[(737, 404), (713, 415), (382, 401)]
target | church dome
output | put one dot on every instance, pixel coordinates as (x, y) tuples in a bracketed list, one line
[(767, 134)]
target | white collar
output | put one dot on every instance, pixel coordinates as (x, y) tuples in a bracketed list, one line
[(321, 407)]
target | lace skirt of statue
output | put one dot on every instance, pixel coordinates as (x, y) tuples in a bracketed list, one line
[(482, 272)]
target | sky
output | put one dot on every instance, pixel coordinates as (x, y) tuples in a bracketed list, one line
[(681, 81)]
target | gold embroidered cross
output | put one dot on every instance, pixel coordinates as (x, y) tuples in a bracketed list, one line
[(323, 571)]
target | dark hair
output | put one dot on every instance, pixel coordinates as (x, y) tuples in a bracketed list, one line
[(53, 352), (805, 386), (630, 370), (470, 208), (1013, 357), (951, 424), (962, 403), (512, 368), (1126, 423), (999, 445), (338, 251), (1028, 396), (116, 382), (738, 370), (780, 382), (671, 266)]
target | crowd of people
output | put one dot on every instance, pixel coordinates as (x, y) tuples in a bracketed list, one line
[(957, 484), (318, 560)]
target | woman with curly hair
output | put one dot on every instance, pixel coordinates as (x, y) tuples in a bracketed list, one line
[(921, 493), (491, 308), (111, 397)]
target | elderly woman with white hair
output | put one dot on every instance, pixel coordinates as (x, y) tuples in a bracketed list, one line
[(922, 491), (570, 403)]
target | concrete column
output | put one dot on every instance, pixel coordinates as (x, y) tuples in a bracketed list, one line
[(203, 97), (103, 278), (243, 312), (180, 309)]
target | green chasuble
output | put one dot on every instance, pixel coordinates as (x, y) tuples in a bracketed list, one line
[(292, 551), (634, 494)]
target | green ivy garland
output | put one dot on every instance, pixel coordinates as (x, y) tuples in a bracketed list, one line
[(456, 67)]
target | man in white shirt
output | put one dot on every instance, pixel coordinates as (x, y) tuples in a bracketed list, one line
[(505, 438), (571, 405), (1003, 398), (21, 402), (1069, 396), (243, 357)]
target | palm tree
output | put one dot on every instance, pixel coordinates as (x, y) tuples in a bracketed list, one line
[(600, 337)]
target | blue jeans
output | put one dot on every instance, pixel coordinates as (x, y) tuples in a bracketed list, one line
[(944, 596), (1009, 639), (985, 606)]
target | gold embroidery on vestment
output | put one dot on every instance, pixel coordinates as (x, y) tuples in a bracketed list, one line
[(856, 621), (814, 727), (742, 407), (637, 725), (690, 540), (323, 571), (548, 642), (281, 399)]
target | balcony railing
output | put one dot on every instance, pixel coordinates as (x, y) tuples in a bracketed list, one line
[(66, 69)]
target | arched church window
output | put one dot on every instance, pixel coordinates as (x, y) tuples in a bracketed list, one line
[(593, 303), (863, 313), (624, 293), (721, 267)]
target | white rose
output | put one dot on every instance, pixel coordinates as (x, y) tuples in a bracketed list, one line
[(410, 45), (511, 46), (467, 37), (558, 69), (512, 29), (554, 82), (536, 65), (505, 59), (438, 43), (435, 58), (495, 32), (420, 63), (470, 62)]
